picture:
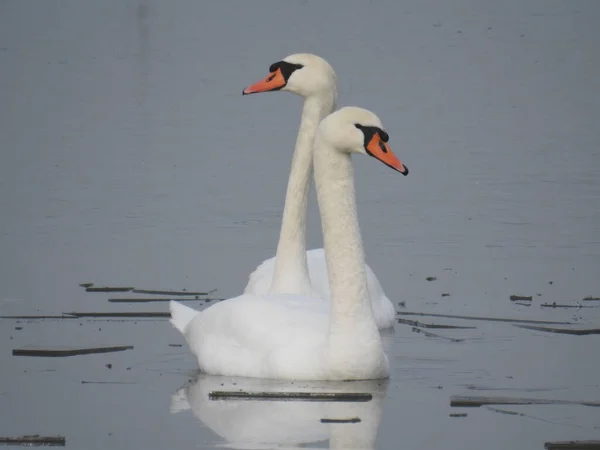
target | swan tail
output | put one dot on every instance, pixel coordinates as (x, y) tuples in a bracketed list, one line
[(181, 315)]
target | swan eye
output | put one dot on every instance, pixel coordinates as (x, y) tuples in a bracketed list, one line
[(286, 68), (367, 133)]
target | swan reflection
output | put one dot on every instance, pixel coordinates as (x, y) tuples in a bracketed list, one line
[(259, 424)]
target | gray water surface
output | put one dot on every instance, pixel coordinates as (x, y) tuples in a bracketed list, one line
[(128, 156)]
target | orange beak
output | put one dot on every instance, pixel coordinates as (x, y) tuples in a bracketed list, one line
[(272, 82), (379, 149)]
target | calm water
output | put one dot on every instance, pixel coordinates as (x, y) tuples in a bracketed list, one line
[(129, 157)]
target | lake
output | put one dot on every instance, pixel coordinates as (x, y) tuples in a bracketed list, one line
[(129, 157)]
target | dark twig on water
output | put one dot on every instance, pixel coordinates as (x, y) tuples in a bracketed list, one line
[(572, 445), (591, 299), (34, 440), (518, 298), (178, 293), (475, 402), (67, 352), (34, 317), (287, 396), (109, 289), (352, 420), (433, 335), (573, 331), (489, 388), (489, 319), (416, 323), (121, 314), (557, 305)]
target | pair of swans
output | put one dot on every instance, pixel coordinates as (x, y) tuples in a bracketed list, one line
[(294, 269), (281, 327)]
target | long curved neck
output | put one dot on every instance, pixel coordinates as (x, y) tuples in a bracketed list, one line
[(334, 177), (291, 268), (354, 342)]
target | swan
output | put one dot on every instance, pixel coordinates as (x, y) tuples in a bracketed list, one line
[(292, 336), (293, 269)]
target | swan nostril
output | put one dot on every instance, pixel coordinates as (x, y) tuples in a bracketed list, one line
[(270, 78), (382, 146)]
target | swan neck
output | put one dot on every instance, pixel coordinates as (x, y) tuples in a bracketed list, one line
[(341, 232), (354, 349), (291, 267)]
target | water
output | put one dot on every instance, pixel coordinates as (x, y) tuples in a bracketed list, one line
[(129, 157)]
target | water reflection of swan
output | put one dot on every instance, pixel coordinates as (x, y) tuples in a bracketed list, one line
[(253, 424)]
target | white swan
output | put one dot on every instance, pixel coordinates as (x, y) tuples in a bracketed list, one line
[(295, 337), (293, 269)]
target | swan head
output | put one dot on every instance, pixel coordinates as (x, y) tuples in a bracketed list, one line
[(358, 130), (302, 74)]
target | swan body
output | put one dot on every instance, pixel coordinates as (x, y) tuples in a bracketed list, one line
[(293, 269), (299, 337), (383, 310)]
